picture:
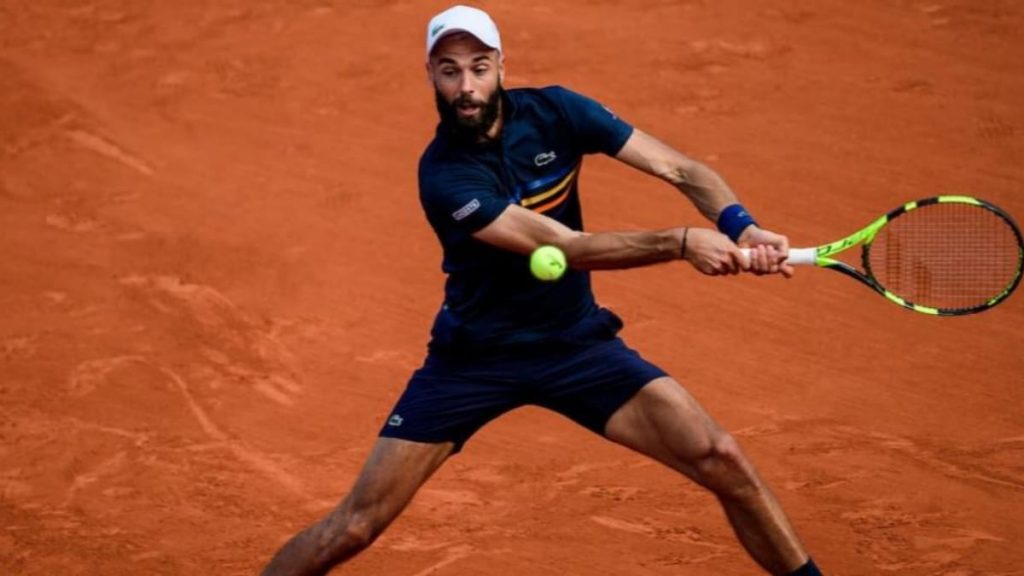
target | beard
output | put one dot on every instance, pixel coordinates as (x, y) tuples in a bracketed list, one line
[(472, 129)]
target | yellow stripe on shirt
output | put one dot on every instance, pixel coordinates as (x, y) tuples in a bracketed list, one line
[(562, 185)]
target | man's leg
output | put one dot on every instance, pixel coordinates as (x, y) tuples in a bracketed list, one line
[(665, 422), (393, 473)]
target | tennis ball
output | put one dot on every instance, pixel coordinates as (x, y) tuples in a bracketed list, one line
[(547, 263)]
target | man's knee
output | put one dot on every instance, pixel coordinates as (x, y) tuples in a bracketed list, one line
[(362, 529), (725, 470), (348, 531)]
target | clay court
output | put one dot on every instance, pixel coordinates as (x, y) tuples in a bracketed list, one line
[(216, 278)]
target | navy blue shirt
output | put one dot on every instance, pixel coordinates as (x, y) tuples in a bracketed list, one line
[(492, 302)]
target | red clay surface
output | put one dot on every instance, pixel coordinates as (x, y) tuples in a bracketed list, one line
[(216, 279)]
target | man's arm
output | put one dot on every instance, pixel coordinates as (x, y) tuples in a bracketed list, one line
[(708, 192), (520, 230), (702, 185)]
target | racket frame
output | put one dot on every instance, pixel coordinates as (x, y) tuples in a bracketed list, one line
[(864, 237)]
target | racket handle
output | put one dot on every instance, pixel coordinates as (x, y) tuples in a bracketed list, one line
[(797, 256)]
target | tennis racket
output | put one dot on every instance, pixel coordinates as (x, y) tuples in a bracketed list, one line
[(944, 256)]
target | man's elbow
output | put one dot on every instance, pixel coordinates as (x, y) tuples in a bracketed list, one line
[(573, 244), (685, 172)]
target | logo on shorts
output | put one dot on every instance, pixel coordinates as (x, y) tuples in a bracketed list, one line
[(466, 210), (544, 158), (395, 420)]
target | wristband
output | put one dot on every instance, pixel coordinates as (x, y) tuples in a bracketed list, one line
[(734, 220)]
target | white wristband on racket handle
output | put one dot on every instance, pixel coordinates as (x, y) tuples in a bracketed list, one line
[(797, 256)]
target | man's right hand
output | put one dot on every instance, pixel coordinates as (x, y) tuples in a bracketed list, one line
[(712, 253)]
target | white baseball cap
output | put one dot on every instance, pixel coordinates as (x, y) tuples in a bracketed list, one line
[(463, 19)]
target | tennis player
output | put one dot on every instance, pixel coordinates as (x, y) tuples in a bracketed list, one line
[(500, 179)]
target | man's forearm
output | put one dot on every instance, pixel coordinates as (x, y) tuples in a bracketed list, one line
[(617, 250), (702, 185), (705, 188)]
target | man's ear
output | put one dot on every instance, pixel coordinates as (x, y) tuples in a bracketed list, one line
[(430, 72)]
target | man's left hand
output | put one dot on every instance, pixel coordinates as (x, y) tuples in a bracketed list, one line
[(768, 251)]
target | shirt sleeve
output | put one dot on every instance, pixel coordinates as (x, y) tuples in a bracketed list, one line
[(459, 200), (595, 127)]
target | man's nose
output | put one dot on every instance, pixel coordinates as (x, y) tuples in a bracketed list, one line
[(466, 86)]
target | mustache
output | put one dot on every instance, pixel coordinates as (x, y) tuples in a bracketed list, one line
[(467, 99)]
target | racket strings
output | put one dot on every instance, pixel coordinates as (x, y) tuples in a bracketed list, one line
[(946, 256)]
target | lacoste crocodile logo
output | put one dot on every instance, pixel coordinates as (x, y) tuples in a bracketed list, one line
[(544, 158)]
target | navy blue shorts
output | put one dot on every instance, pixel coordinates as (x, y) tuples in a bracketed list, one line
[(449, 399)]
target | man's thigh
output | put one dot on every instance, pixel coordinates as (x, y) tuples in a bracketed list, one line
[(394, 471), (665, 422)]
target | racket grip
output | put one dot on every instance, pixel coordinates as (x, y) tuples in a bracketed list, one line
[(797, 256)]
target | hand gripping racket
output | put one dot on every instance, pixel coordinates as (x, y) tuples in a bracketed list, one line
[(945, 256)]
